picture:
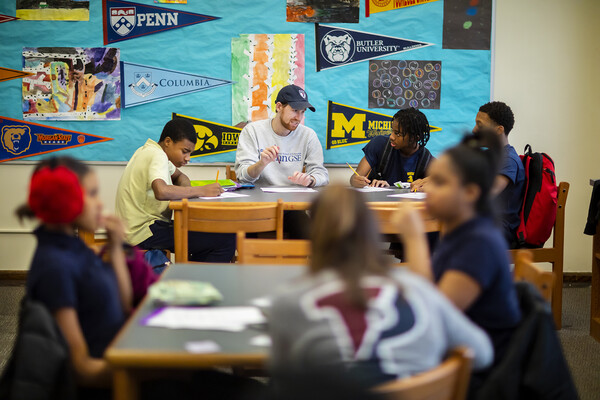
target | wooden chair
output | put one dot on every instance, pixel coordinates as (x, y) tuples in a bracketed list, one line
[(224, 218), (554, 254), (268, 251), (526, 270), (595, 297), (230, 173), (448, 381), (384, 212)]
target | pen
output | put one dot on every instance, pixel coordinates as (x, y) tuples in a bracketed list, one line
[(353, 170), (217, 179), (278, 160)]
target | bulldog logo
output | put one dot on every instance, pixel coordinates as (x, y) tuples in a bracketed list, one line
[(337, 46), (122, 19), (16, 139)]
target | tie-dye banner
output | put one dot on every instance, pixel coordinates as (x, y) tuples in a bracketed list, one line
[(337, 47), (144, 84), (261, 65), (63, 10), (6, 18), (375, 6), (127, 20), (20, 139), (71, 83), (6, 74)]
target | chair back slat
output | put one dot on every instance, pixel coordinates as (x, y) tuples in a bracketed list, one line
[(448, 381), (526, 270), (269, 251)]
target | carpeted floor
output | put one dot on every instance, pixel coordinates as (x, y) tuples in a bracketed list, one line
[(582, 352)]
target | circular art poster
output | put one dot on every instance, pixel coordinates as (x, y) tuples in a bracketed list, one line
[(398, 84)]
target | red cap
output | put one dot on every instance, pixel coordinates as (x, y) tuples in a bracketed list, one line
[(55, 195)]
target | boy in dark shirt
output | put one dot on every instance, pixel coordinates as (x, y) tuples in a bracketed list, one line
[(510, 182), (401, 156)]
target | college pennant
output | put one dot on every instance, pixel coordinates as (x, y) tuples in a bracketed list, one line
[(337, 47), (375, 6), (127, 20), (213, 138), (7, 18), (145, 84), (22, 139), (6, 74), (348, 125)]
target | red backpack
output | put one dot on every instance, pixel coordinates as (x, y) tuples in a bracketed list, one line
[(538, 212)]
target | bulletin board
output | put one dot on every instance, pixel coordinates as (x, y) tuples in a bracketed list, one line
[(206, 49)]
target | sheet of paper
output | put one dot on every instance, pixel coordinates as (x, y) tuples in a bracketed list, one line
[(368, 189), (261, 341), (288, 189), (201, 347), (232, 319), (412, 195), (225, 195)]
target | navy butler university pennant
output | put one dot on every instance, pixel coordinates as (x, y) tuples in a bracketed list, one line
[(337, 47), (127, 20)]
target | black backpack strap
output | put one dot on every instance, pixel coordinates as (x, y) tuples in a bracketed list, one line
[(380, 171), (422, 163)]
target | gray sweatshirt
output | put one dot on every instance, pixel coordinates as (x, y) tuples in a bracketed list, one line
[(301, 147), (408, 327)]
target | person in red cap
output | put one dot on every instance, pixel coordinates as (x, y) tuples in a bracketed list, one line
[(88, 298)]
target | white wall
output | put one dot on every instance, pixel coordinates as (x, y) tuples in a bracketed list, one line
[(547, 63)]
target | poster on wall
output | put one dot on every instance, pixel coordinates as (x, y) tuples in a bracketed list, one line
[(398, 84), (22, 139), (144, 84), (347, 126), (375, 6), (262, 64), (213, 138), (6, 74), (6, 18), (59, 10), (71, 83), (123, 20), (323, 11), (337, 47), (467, 25)]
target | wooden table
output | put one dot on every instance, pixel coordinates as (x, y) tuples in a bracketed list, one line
[(292, 201), (138, 350)]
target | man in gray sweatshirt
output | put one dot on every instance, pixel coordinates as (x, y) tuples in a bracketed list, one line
[(274, 151)]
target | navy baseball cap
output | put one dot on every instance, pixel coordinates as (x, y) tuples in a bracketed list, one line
[(295, 96)]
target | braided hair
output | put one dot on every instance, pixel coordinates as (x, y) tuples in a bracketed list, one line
[(414, 124), (500, 113)]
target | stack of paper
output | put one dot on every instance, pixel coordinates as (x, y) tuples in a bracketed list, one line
[(225, 195), (369, 189), (412, 195)]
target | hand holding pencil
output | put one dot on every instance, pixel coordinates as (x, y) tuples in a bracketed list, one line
[(357, 180)]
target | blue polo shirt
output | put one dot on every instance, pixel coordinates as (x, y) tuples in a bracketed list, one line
[(398, 163), (478, 249), (65, 273), (510, 200)]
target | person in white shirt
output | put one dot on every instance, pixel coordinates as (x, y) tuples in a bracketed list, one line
[(274, 151)]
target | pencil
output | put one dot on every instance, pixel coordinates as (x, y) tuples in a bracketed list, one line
[(353, 170), (217, 179)]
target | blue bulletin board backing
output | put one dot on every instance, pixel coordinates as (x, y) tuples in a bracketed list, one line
[(205, 49)]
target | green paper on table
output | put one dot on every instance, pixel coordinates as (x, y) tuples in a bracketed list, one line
[(184, 293), (222, 182)]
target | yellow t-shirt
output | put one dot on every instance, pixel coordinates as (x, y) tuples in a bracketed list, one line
[(136, 204)]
